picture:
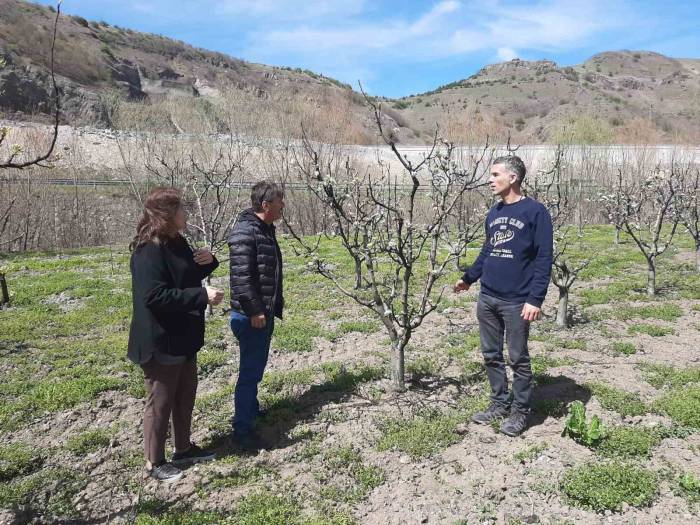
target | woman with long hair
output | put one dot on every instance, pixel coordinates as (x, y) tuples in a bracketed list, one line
[(167, 328)]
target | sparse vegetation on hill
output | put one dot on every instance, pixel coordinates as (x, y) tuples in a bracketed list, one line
[(623, 97)]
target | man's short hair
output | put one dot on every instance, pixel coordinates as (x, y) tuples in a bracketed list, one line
[(264, 191), (514, 165)]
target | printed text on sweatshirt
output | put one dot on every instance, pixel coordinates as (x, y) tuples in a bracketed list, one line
[(515, 262)]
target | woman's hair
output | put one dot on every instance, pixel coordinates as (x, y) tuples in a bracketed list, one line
[(158, 221)]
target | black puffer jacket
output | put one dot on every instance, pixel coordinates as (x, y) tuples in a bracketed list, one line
[(256, 267)]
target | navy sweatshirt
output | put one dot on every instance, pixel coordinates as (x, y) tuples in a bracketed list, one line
[(515, 262)]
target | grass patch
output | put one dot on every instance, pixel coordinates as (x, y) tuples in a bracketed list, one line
[(240, 476), (660, 376), (620, 401), (664, 312), (276, 380), (682, 405), (339, 378), (650, 329), (622, 347), (462, 346), (423, 366), (18, 459), (628, 442), (606, 486), (268, 508), (420, 436), (550, 407), (360, 326), (345, 478), (530, 453), (296, 334), (49, 491), (89, 441), (688, 486)]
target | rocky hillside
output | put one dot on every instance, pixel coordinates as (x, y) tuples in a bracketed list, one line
[(622, 96), (96, 61)]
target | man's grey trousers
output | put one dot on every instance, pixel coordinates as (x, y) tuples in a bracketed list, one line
[(500, 319)]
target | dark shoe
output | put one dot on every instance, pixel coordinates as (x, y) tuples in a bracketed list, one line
[(165, 472), (248, 442), (515, 424), (494, 411), (193, 455)]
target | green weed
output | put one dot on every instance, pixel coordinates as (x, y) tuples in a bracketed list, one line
[(625, 348), (89, 441), (530, 453), (628, 441), (650, 329), (660, 376), (420, 436), (18, 459), (620, 401), (682, 405), (606, 486)]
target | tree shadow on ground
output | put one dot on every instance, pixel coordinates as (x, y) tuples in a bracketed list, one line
[(285, 413)]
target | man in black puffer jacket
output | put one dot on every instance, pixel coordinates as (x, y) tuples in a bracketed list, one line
[(256, 299)]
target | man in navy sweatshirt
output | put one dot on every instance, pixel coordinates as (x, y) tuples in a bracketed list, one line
[(514, 266)]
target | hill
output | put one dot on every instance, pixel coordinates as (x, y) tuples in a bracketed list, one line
[(623, 96)]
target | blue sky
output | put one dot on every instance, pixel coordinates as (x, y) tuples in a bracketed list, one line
[(398, 48)]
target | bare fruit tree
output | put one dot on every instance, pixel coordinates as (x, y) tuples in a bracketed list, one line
[(401, 226), (551, 188), (648, 212), (689, 207), (18, 159)]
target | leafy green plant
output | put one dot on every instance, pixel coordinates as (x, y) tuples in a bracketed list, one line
[(588, 433)]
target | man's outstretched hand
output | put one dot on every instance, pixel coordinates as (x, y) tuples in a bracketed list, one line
[(460, 286), (530, 313)]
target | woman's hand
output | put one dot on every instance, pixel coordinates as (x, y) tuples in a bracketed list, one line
[(214, 296), (203, 256)]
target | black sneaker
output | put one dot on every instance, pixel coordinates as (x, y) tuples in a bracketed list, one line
[(249, 442), (515, 424), (165, 472), (194, 454), (494, 411)]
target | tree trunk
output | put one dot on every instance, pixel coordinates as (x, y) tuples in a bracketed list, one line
[(651, 277), (397, 366), (4, 294), (563, 310), (617, 235), (697, 256), (358, 274)]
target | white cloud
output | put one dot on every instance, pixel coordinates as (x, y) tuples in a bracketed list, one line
[(505, 54), (290, 10), (449, 28)]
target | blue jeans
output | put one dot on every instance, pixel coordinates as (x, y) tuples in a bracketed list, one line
[(254, 344), (499, 320)]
